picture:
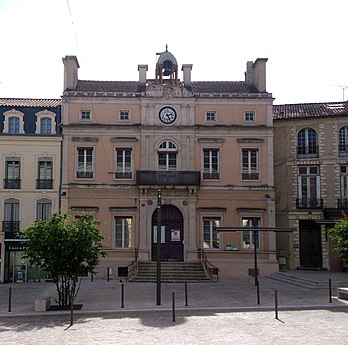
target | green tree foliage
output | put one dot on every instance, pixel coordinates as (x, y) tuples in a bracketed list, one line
[(339, 233), (63, 247)]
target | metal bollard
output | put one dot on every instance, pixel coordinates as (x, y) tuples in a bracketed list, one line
[(173, 305), (276, 303), (122, 295), (186, 300), (9, 299), (92, 275), (108, 274), (330, 292)]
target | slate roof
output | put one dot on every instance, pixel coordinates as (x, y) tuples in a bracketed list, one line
[(309, 110), (197, 86), (30, 102)]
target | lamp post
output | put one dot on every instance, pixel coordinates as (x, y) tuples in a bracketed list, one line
[(159, 202)]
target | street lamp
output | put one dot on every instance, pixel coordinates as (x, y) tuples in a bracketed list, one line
[(159, 203)]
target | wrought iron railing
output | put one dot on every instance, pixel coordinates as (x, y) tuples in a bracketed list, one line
[(308, 151), (342, 203), (309, 203), (343, 150), (250, 176), (84, 174), (12, 183), (173, 178), (127, 272), (209, 268), (44, 184), (10, 226)]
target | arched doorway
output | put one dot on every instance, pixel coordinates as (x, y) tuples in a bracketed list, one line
[(172, 234)]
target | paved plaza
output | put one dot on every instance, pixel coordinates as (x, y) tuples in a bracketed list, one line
[(225, 312)]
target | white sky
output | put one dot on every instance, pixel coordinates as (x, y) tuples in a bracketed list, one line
[(305, 42)]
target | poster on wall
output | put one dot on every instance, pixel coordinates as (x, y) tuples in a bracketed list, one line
[(163, 234), (175, 235)]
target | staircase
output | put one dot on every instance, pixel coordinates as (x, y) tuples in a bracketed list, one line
[(308, 281), (171, 272)]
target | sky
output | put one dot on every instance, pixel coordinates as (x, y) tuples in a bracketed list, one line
[(305, 42)]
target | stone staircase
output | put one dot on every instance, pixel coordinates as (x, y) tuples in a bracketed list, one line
[(309, 281), (171, 272)]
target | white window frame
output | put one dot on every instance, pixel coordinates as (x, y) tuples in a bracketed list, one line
[(306, 177), (86, 169), (124, 238), (213, 236), (13, 113), (43, 209), (212, 114), (208, 172), (45, 114), (121, 115), (250, 169), (250, 233), (168, 148), (83, 113), (250, 116), (124, 170)]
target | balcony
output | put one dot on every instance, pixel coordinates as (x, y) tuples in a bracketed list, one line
[(308, 151), (84, 174), (250, 176), (44, 184), (309, 203), (342, 203), (211, 176), (10, 226), (12, 183), (171, 178)]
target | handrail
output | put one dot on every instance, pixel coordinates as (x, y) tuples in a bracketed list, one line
[(209, 268), (132, 268)]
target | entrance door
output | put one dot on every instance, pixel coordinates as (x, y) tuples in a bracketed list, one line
[(172, 238), (310, 244)]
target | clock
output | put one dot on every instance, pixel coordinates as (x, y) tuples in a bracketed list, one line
[(167, 115)]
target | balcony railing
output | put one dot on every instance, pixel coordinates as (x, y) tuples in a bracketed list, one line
[(309, 203), (211, 176), (342, 203), (84, 174), (250, 176), (124, 175), (44, 184), (308, 151), (343, 150), (10, 226), (178, 178), (12, 183)]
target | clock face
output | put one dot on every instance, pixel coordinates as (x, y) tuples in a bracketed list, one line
[(167, 115)]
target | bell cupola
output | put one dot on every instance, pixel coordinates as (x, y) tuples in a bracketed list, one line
[(166, 68)]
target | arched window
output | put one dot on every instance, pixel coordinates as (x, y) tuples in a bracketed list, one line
[(167, 152), (43, 209), (45, 125), (307, 143), (13, 125), (343, 142)]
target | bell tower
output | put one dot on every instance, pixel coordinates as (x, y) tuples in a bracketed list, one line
[(166, 66)]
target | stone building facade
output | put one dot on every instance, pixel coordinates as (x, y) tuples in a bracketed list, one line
[(206, 146), (310, 167)]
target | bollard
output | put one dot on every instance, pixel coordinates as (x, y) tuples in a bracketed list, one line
[(108, 274), (173, 304), (276, 303), (330, 292), (9, 299), (186, 300), (258, 292), (122, 295), (92, 276)]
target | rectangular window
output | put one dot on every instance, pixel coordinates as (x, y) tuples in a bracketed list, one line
[(343, 203), (308, 181), (45, 126), (13, 125), (210, 116), (124, 115), (44, 174), (249, 116), (85, 115), (251, 237), (43, 209), (12, 173), (250, 164), (210, 235), (123, 231), (123, 163), (211, 164), (84, 162)]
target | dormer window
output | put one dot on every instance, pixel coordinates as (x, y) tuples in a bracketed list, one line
[(46, 125), (45, 122), (14, 123)]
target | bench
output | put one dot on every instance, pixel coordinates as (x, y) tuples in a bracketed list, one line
[(342, 293), (42, 304)]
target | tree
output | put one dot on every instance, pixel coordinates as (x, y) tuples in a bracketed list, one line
[(339, 234), (63, 247)]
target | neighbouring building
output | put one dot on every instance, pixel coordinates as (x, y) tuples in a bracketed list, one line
[(311, 179), (207, 146), (30, 151)]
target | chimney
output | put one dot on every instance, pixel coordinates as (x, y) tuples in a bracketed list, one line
[(187, 75), (71, 66), (142, 74), (256, 74)]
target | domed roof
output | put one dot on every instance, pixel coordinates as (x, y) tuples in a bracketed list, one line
[(166, 56)]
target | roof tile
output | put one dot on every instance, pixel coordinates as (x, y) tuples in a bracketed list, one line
[(30, 102)]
